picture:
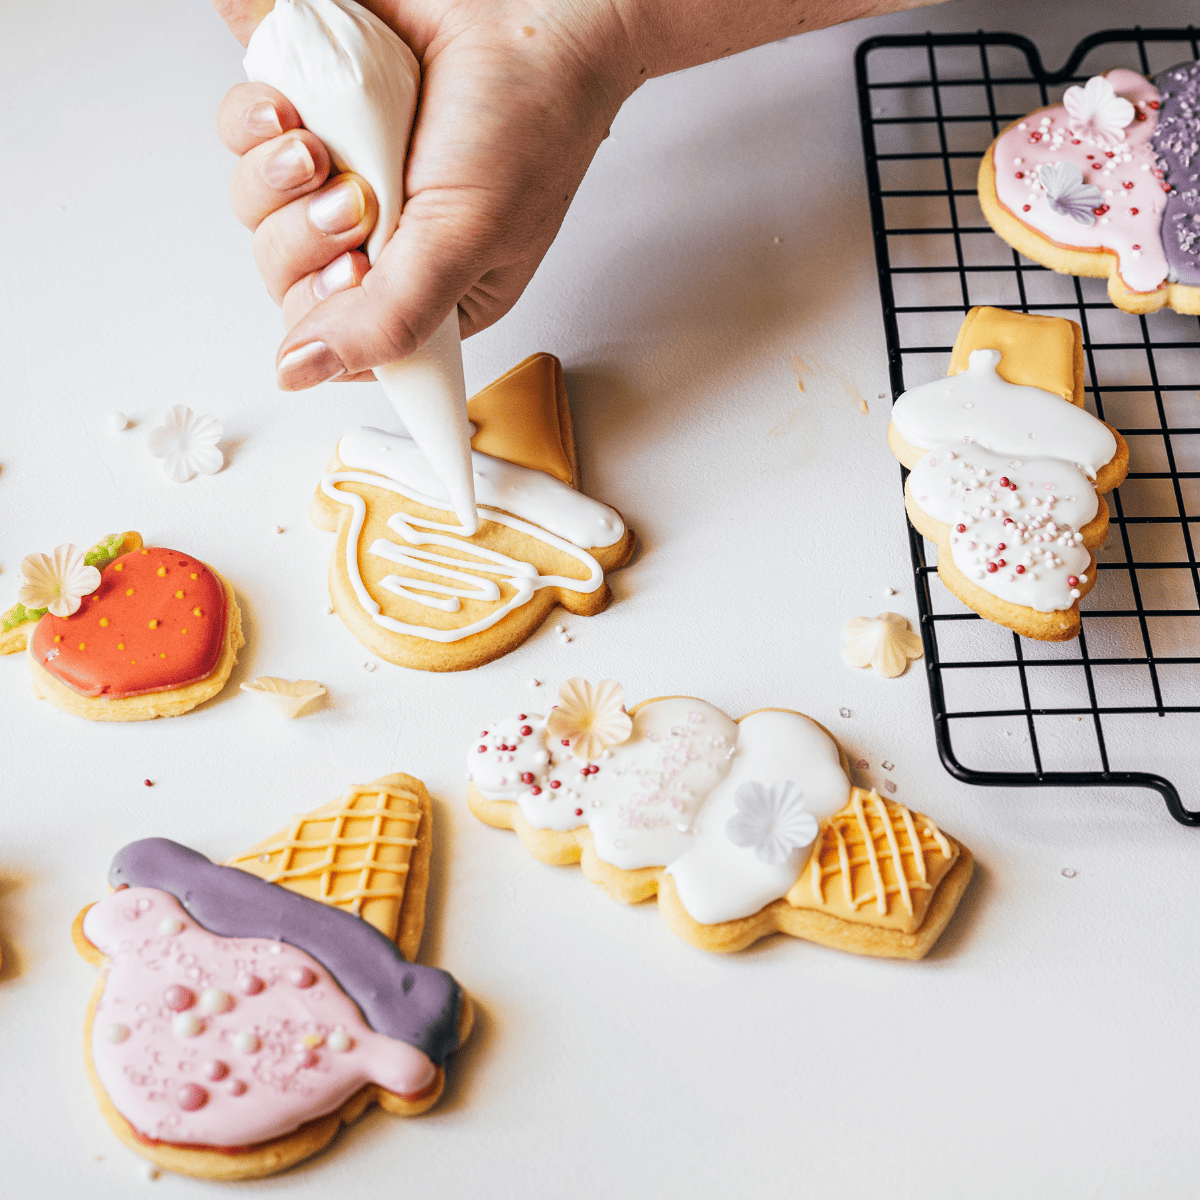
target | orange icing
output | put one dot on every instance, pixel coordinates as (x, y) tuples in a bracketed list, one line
[(1035, 351)]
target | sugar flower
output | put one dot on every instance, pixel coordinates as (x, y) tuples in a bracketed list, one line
[(590, 717), (1096, 112), (884, 642), (771, 820), (1068, 195), (290, 697), (57, 581), (187, 443)]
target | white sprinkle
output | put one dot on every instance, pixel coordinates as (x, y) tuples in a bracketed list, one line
[(368, 666), (1068, 872), (329, 610), (843, 712), (278, 528), (889, 591), (116, 421), (566, 637), (559, 629)]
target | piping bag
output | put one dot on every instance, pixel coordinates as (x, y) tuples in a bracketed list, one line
[(355, 84)]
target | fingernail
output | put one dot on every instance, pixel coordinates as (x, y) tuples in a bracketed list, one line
[(338, 209), (336, 277), (263, 120), (289, 166), (307, 365)]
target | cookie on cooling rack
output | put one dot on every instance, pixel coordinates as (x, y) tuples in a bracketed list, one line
[(1104, 185)]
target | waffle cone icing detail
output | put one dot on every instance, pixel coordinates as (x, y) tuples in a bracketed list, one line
[(875, 862)]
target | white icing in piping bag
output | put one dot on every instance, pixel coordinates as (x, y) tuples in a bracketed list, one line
[(355, 85)]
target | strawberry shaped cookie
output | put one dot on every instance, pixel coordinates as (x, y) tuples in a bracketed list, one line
[(124, 632)]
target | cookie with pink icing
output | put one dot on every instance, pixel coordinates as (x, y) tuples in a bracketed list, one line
[(741, 828), (1008, 470), (238, 1024), (1104, 184)]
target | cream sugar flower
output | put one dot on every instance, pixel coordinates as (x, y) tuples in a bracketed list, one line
[(884, 642), (590, 717), (57, 581), (289, 696), (1095, 111), (772, 821), (187, 443)]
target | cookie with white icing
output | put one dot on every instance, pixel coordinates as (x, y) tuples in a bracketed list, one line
[(123, 631), (417, 593), (741, 828), (1104, 185), (1008, 471), (247, 1012)]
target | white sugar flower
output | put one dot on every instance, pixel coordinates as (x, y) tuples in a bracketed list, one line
[(884, 642), (57, 582), (1096, 112), (771, 820), (590, 717), (290, 697), (1068, 195), (187, 443)]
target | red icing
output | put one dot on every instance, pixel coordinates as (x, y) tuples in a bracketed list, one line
[(127, 638)]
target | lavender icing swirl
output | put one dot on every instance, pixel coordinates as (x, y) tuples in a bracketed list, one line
[(1176, 140)]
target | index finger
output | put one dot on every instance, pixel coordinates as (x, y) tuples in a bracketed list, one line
[(253, 113)]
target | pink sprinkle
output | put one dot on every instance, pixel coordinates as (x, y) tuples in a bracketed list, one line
[(250, 985), (191, 1097), (216, 1069), (178, 998), (301, 977)]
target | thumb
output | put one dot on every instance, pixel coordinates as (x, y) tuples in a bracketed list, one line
[(242, 16), (418, 279)]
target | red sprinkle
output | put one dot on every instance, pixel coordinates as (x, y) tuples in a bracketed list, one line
[(526, 730), (1001, 563), (1109, 154), (1101, 210), (481, 750), (1139, 116), (566, 741), (1020, 174), (483, 734), (1035, 137), (1001, 546), (1076, 142), (960, 529), (1136, 246), (1072, 581), (1004, 481), (1020, 570), (1025, 208), (521, 717), (579, 812), (526, 776), (148, 782), (992, 568), (1152, 104), (1134, 211), (1127, 184), (554, 783), (535, 790)]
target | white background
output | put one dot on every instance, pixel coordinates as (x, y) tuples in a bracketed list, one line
[(1046, 1048)]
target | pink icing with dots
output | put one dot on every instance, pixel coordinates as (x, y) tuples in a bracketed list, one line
[(1126, 172), (273, 1057)]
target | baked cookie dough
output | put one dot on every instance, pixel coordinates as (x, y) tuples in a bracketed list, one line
[(1104, 185), (247, 1012), (1007, 471), (157, 633), (741, 828), (415, 591)]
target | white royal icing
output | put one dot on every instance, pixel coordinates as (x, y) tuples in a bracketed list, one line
[(1014, 520), (665, 796), (526, 500), (1005, 417)]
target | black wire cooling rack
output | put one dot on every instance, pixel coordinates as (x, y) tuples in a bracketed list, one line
[(1112, 708)]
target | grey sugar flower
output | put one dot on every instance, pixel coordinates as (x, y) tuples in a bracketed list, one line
[(771, 820), (1068, 195)]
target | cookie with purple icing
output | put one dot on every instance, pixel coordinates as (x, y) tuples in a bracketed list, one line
[(245, 1015)]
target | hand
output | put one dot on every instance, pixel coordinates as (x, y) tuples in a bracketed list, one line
[(510, 116)]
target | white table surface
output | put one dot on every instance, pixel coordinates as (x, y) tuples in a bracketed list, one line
[(722, 234)]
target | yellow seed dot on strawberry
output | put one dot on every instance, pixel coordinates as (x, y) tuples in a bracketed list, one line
[(120, 645), (193, 574), (129, 591), (197, 613), (162, 656), (118, 566), (82, 646), (178, 595), (154, 624), (161, 572), (184, 631), (104, 621), (145, 551), (58, 637)]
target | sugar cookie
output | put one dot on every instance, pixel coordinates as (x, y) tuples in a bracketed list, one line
[(1008, 470), (246, 1012), (742, 828), (414, 591), (1104, 185), (124, 632)]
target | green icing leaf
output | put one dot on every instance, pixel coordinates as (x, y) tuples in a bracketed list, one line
[(105, 550), (18, 615)]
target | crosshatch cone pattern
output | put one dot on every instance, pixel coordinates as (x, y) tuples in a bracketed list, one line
[(353, 853), (1010, 712)]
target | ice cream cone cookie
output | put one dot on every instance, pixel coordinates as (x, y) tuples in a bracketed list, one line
[(123, 631), (416, 592), (1104, 185), (247, 1012), (1008, 471), (724, 820)]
